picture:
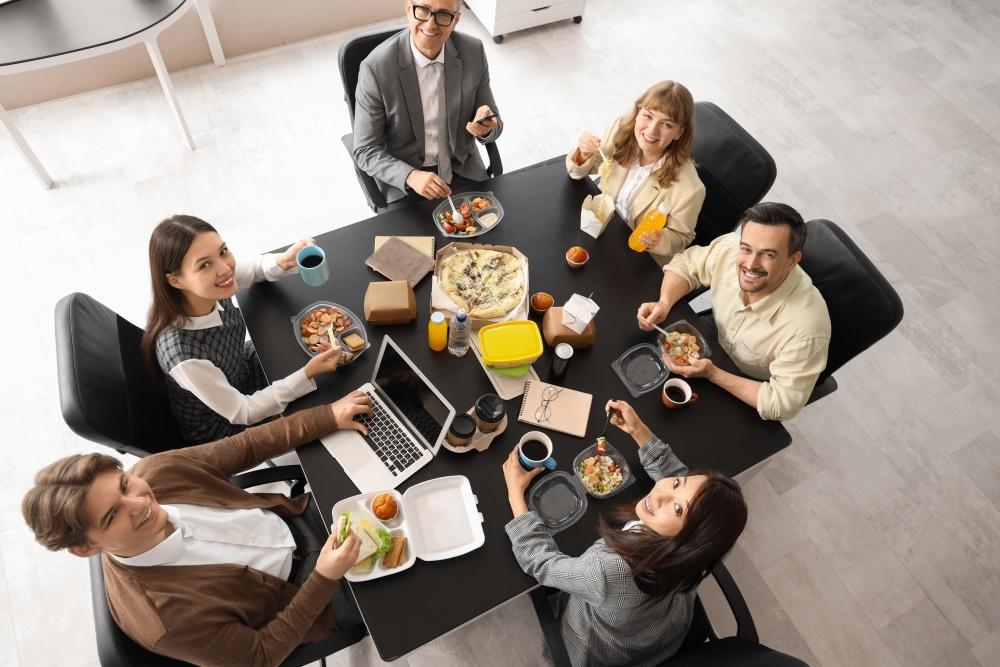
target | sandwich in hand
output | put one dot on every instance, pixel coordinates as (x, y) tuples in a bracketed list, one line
[(375, 542)]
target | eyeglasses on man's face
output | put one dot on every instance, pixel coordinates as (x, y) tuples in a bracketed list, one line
[(442, 18)]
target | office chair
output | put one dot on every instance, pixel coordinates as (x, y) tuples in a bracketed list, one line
[(349, 59), (701, 646), (117, 649), (736, 170), (106, 392), (863, 306)]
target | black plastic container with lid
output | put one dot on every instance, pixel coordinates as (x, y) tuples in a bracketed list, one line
[(489, 412), (462, 428)]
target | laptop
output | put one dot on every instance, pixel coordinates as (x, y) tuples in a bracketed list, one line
[(409, 421)]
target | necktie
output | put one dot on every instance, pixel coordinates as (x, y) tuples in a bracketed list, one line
[(444, 150)]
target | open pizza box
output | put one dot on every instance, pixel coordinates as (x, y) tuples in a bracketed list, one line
[(440, 301)]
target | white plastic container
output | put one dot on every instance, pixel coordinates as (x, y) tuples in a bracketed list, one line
[(438, 518)]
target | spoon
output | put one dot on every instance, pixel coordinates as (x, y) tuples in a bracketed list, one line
[(456, 217)]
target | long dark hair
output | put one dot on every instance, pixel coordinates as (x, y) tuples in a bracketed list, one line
[(169, 242), (674, 100), (661, 565)]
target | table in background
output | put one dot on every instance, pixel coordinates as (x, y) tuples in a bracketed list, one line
[(42, 33), (542, 205)]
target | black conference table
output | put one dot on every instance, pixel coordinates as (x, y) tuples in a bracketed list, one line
[(409, 609)]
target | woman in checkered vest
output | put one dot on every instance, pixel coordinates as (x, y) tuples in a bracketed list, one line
[(195, 335)]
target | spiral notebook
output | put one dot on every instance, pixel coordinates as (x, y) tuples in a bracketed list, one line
[(558, 408)]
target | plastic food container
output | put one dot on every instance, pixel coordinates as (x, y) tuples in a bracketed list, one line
[(510, 344), (482, 227), (627, 477), (683, 326), (438, 518), (558, 499), (356, 327), (641, 369)]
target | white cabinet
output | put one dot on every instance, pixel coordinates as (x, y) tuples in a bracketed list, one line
[(503, 16)]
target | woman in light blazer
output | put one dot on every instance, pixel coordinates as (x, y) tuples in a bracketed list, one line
[(629, 598), (649, 150)]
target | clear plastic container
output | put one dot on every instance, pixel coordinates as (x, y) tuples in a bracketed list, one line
[(356, 327), (683, 326), (477, 216), (558, 499), (641, 369), (627, 477)]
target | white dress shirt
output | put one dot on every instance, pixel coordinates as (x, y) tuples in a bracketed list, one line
[(217, 536), (430, 77), (635, 177), (207, 381)]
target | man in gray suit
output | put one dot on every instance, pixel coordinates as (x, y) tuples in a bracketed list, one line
[(423, 100)]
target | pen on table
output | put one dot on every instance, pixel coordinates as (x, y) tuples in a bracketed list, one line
[(482, 121)]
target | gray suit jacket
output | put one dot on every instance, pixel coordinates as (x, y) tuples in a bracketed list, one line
[(605, 619), (389, 117)]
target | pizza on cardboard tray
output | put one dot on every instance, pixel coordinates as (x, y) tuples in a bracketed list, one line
[(486, 283)]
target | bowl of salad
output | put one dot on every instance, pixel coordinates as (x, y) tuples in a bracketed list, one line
[(602, 469)]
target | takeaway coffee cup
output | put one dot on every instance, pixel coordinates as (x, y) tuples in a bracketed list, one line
[(676, 392), (534, 450), (313, 268)]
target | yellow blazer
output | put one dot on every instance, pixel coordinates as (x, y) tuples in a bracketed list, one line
[(684, 197)]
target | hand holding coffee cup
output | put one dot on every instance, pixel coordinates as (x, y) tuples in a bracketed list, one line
[(517, 478), (313, 268), (534, 450), (676, 393)]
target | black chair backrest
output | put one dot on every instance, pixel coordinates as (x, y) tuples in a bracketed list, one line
[(735, 168), (107, 394), (863, 306), (349, 59)]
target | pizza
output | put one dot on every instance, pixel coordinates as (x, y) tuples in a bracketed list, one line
[(486, 283)]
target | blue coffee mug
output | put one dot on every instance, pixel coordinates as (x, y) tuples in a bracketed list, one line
[(313, 268), (530, 464)]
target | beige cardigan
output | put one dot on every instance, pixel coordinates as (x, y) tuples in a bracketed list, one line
[(684, 197), (223, 614)]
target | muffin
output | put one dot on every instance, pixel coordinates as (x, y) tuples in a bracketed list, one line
[(384, 507)]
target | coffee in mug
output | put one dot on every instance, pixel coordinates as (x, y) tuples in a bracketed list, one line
[(534, 450), (676, 393)]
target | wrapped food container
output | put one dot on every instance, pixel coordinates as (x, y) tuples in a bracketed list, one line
[(513, 345)]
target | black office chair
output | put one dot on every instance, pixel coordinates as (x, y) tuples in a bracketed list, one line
[(117, 649), (863, 306), (351, 54), (106, 392), (736, 170), (701, 646)]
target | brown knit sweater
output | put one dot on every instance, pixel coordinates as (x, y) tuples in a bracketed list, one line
[(223, 614)]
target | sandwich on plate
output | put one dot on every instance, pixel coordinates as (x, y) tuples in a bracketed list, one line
[(375, 541)]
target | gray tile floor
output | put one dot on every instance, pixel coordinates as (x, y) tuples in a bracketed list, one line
[(872, 540)]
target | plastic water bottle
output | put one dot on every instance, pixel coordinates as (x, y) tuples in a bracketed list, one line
[(458, 334)]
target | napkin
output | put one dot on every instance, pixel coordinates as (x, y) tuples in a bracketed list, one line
[(578, 312), (397, 260)]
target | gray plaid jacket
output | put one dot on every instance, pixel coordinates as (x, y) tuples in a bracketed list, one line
[(605, 619)]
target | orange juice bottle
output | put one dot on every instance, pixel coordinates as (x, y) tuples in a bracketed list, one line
[(653, 220), (437, 332)]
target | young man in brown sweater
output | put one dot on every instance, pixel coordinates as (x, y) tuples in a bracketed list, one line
[(202, 577)]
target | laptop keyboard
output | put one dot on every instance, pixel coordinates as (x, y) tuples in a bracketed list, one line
[(393, 445)]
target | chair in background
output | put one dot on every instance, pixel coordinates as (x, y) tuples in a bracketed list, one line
[(701, 646), (349, 59), (863, 306), (736, 170), (106, 392), (117, 649)]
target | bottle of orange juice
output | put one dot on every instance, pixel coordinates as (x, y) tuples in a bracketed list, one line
[(653, 220), (437, 332)]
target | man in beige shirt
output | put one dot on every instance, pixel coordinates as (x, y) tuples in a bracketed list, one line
[(772, 321)]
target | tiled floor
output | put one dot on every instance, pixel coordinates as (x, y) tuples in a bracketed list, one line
[(872, 540)]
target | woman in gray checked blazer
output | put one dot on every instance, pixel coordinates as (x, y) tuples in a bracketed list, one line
[(629, 598)]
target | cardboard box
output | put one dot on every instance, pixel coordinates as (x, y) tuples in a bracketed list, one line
[(391, 302), (440, 301), (555, 332)]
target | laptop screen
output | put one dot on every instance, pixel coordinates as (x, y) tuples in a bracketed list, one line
[(411, 394)]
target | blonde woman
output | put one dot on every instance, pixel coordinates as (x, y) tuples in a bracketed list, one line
[(648, 163)]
